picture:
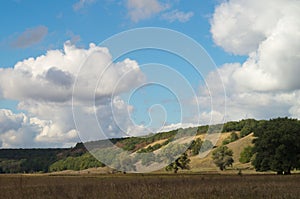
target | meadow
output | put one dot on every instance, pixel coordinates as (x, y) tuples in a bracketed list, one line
[(149, 186)]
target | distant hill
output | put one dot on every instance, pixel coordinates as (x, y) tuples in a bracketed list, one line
[(78, 157)]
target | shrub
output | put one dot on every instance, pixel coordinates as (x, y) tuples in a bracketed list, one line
[(246, 154)]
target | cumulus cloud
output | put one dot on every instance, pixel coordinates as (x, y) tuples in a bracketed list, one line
[(239, 26), (243, 103), (44, 85), (19, 130), (269, 38), (266, 85), (140, 10), (30, 37), (50, 77), (176, 15), (82, 3)]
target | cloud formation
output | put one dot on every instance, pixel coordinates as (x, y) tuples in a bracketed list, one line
[(267, 83), (176, 15), (30, 37), (43, 86), (20, 130)]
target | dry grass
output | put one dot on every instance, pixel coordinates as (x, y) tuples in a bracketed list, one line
[(206, 163), (150, 186)]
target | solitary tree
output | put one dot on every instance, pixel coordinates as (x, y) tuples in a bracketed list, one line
[(222, 157), (180, 163), (277, 146)]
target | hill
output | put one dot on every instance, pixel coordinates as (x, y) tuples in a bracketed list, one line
[(78, 157)]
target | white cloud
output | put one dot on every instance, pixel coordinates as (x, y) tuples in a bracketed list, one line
[(273, 59), (239, 26), (82, 3), (171, 127), (50, 77), (19, 130), (267, 83), (176, 15), (10, 121), (30, 37), (140, 10), (43, 86), (246, 103)]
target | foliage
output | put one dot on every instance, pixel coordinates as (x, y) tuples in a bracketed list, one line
[(195, 146), (233, 137), (246, 126), (135, 143), (232, 126), (246, 154), (180, 163), (153, 148), (28, 160), (222, 157), (249, 127), (202, 129), (277, 146), (11, 166), (206, 145), (170, 151), (76, 163), (191, 131)]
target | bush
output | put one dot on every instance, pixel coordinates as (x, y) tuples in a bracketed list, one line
[(246, 154)]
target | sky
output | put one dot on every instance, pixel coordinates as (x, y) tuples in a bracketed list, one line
[(63, 79)]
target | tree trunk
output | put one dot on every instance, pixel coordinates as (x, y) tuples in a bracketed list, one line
[(288, 172), (279, 172), (175, 170)]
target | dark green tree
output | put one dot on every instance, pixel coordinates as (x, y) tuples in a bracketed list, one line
[(180, 163), (222, 157), (277, 145), (249, 126)]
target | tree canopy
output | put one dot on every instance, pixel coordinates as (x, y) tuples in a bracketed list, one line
[(277, 146), (222, 157), (182, 162)]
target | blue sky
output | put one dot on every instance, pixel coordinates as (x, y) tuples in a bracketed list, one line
[(94, 22), (256, 54)]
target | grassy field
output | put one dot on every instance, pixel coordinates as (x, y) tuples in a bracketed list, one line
[(150, 186)]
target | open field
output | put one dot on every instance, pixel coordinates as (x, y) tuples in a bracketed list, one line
[(149, 186)]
